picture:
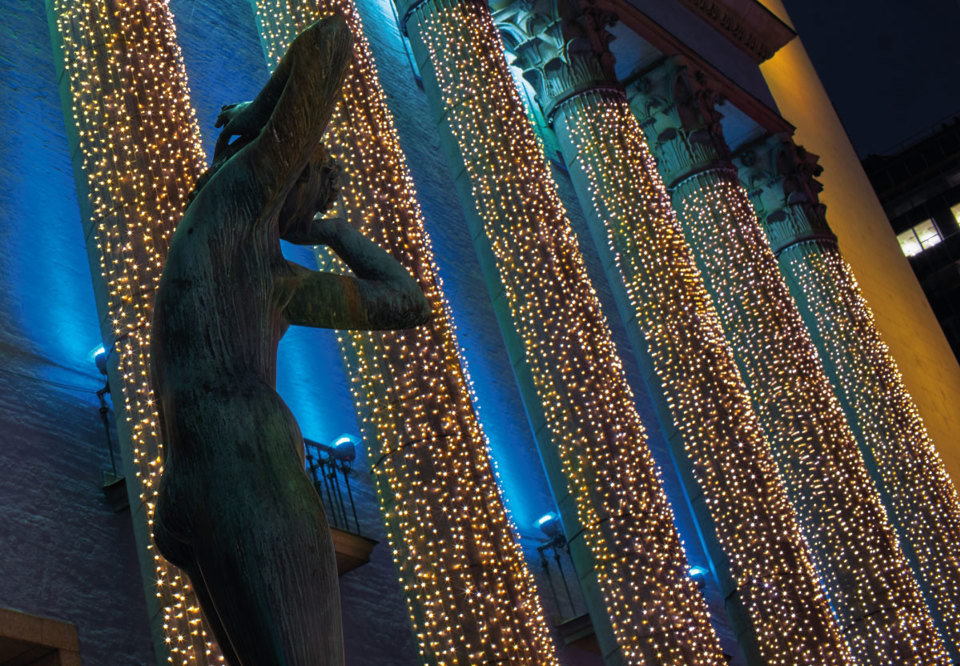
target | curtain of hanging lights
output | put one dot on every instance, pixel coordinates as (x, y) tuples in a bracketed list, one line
[(922, 496), (140, 151), (852, 541), (709, 402), (470, 596), (657, 616)]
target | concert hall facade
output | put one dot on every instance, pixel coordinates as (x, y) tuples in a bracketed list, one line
[(681, 401)]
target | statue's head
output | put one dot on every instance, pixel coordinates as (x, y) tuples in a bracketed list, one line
[(317, 187)]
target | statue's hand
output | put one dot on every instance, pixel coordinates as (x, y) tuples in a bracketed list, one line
[(240, 119), (236, 117), (325, 230), (321, 231), (330, 179)]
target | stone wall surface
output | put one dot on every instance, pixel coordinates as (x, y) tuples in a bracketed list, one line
[(64, 553)]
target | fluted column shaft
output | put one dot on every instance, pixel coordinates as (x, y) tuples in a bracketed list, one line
[(919, 495), (470, 595), (861, 567), (705, 403), (644, 607)]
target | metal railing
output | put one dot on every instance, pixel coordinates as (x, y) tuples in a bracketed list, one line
[(330, 468), (556, 563)]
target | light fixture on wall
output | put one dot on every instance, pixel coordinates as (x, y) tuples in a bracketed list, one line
[(699, 575), (114, 484), (324, 462)]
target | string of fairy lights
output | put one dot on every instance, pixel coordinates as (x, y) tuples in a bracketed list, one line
[(140, 151), (655, 612), (701, 384), (866, 577), (470, 596), (922, 497)]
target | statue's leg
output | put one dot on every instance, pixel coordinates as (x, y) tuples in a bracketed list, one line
[(266, 563), (176, 548), (211, 615)]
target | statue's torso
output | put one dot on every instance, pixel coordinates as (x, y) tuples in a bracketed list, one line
[(218, 321), (217, 310)]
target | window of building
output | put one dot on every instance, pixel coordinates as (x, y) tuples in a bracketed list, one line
[(921, 237), (956, 213)]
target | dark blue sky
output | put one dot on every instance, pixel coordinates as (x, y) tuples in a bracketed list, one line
[(892, 67)]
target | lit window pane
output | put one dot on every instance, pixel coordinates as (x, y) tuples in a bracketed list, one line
[(927, 234), (909, 243), (956, 212)]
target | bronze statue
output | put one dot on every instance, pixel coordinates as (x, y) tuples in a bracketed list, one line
[(236, 511)]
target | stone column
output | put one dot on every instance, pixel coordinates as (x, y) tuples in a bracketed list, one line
[(921, 499), (628, 557), (136, 154), (470, 595), (866, 577), (702, 403)]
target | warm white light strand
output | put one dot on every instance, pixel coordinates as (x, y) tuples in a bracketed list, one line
[(709, 403), (470, 596), (140, 151), (922, 497), (656, 614), (870, 586)]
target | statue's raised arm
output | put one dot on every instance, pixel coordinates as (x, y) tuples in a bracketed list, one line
[(292, 111), (383, 295)]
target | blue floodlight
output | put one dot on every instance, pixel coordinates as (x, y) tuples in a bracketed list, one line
[(549, 524), (99, 356), (697, 572), (345, 447), (95, 352)]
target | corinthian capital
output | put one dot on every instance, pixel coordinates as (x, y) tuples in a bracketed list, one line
[(780, 177), (560, 45), (676, 106)]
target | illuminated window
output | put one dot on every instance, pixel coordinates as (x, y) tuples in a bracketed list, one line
[(955, 209), (921, 237)]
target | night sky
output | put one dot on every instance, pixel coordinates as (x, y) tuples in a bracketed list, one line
[(892, 67)]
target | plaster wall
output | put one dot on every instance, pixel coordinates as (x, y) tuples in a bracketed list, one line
[(903, 314), (64, 553)]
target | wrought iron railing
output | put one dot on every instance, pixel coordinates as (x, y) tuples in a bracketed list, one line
[(330, 468)]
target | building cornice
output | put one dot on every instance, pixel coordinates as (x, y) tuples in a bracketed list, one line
[(750, 26), (668, 44)]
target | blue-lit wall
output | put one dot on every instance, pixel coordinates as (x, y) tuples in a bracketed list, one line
[(63, 552)]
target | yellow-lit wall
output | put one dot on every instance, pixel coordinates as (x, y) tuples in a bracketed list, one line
[(928, 365)]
